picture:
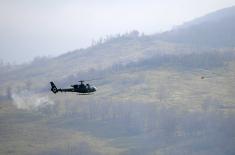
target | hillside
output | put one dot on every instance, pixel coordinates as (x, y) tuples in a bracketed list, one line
[(213, 30), (156, 95), (150, 111), (202, 35)]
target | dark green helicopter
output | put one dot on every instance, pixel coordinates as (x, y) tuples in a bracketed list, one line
[(81, 89)]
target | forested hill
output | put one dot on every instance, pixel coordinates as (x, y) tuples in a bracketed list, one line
[(171, 93), (213, 30), (206, 33)]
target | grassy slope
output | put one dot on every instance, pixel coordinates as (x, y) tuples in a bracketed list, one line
[(171, 87), (27, 133), (79, 121)]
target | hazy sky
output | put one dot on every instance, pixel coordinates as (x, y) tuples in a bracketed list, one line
[(30, 28)]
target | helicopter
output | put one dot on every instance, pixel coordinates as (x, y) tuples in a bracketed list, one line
[(81, 89)]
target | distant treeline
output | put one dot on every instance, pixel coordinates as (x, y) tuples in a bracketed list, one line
[(207, 60), (203, 60), (158, 126)]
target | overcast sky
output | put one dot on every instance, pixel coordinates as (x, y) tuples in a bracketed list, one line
[(30, 28)]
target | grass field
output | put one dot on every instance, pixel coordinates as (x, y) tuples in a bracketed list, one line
[(157, 111)]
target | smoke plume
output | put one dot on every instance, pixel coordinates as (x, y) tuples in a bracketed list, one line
[(28, 100)]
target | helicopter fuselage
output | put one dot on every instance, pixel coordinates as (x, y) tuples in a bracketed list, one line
[(81, 88)]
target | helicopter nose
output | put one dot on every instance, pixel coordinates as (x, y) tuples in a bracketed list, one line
[(94, 88)]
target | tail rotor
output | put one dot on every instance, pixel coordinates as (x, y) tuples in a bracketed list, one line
[(53, 88)]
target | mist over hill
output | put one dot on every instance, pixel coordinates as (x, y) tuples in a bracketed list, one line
[(213, 30), (203, 35), (170, 93)]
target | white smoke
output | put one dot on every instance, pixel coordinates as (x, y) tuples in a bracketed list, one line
[(28, 100)]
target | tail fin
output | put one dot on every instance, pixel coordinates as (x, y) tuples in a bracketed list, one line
[(53, 88)]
